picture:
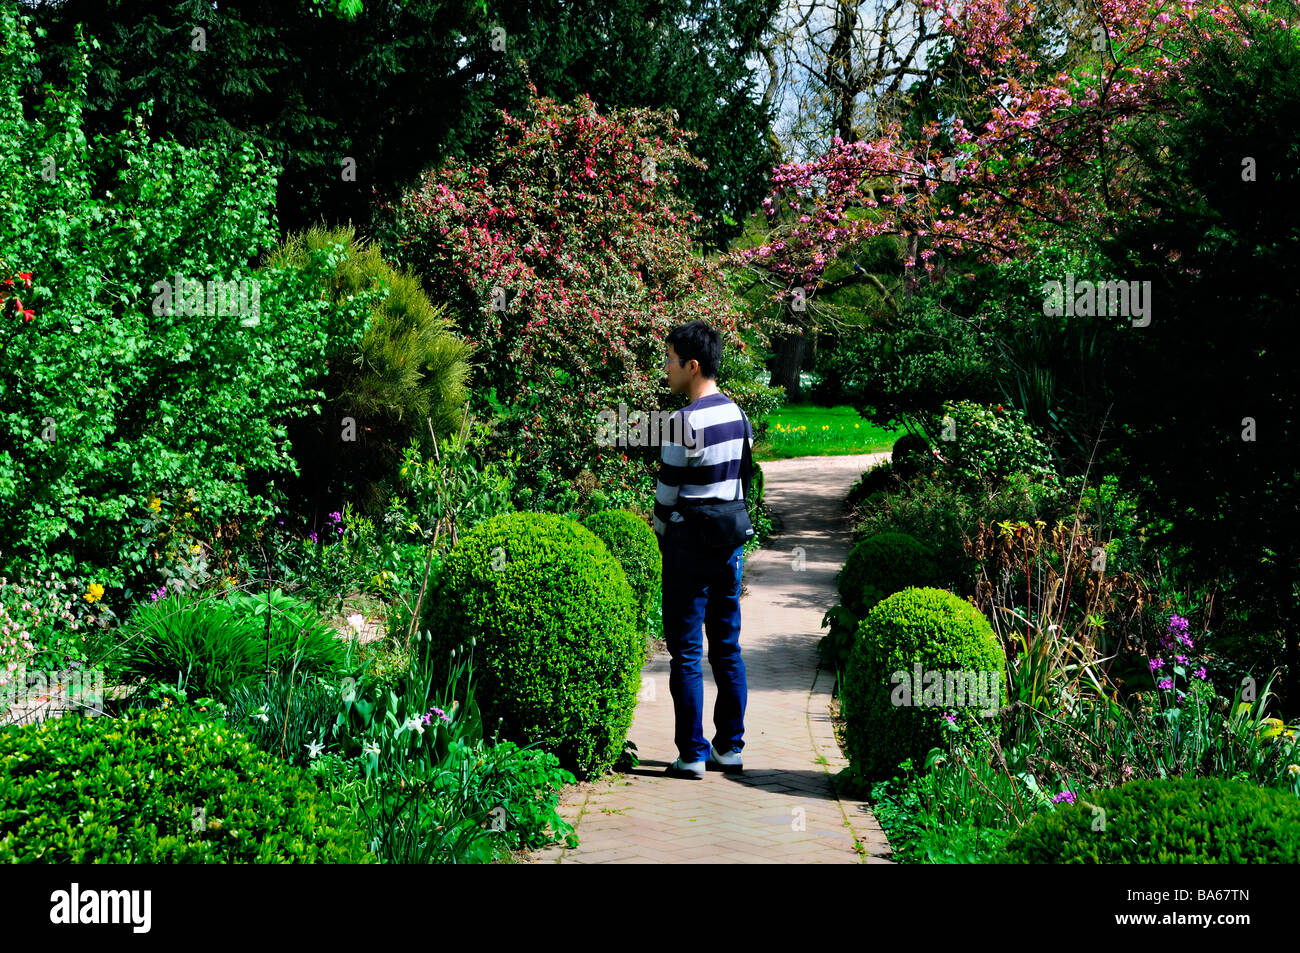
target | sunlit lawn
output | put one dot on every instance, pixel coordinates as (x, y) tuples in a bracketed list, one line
[(805, 430)]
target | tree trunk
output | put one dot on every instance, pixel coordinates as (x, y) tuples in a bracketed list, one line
[(787, 361)]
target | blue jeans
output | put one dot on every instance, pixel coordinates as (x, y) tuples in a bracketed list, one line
[(700, 589)]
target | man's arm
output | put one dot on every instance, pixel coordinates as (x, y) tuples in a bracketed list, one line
[(675, 459)]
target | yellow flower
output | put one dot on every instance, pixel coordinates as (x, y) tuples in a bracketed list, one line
[(194, 548), (155, 504), (94, 592)]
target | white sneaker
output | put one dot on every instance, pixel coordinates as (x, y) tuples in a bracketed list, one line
[(686, 769), (729, 763)]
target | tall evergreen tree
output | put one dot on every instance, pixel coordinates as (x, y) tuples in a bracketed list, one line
[(405, 84)]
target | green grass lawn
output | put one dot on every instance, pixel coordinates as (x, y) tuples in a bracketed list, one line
[(805, 430)]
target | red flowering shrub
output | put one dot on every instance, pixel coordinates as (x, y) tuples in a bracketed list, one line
[(568, 257)]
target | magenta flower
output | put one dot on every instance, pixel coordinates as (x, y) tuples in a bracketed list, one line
[(157, 593), (1166, 683), (1064, 796), (428, 716), (1157, 663), (1199, 673)]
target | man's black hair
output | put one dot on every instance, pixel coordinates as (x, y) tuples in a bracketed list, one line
[(698, 341)]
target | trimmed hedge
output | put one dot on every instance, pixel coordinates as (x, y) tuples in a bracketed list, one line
[(933, 627), (1174, 821), (124, 790), (557, 656), (881, 565), (634, 545)]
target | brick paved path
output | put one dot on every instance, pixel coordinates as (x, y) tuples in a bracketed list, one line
[(783, 809)]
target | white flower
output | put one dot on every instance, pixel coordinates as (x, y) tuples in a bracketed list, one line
[(356, 621), (314, 749), (261, 714), (369, 747), (414, 724)]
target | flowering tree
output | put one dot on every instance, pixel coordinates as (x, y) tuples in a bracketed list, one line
[(1031, 147), (569, 257)]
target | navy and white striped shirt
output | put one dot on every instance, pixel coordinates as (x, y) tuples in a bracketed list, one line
[(710, 468)]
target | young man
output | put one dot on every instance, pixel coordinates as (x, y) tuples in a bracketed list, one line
[(701, 584)]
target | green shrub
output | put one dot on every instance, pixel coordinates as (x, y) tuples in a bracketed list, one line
[(113, 394), (939, 512), (557, 652), (884, 722), (911, 455), (410, 368), (1172, 821), (880, 565), (633, 543), (110, 790), (991, 443), (212, 646), (880, 478)]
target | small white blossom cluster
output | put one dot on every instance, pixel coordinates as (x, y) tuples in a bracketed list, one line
[(27, 609)]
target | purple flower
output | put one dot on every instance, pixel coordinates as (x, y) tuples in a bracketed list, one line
[(951, 719), (1199, 673), (335, 517), (1157, 663), (1066, 796), (312, 536), (1165, 683), (428, 717), (157, 593)]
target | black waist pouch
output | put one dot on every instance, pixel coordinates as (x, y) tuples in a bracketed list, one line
[(715, 526)]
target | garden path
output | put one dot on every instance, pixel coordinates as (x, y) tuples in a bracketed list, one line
[(784, 808)]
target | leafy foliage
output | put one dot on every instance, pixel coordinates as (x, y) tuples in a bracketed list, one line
[(1178, 821), (109, 790), (211, 646), (114, 396)]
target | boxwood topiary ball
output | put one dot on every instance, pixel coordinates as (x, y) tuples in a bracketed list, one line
[(887, 720), (557, 656), (881, 565), (633, 544), (1174, 821)]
